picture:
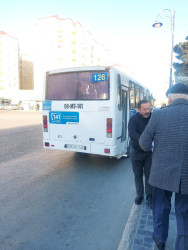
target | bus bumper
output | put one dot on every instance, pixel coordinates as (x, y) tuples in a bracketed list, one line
[(90, 148)]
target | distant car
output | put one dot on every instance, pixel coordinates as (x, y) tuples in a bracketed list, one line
[(20, 107), (1, 106), (16, 107), (13, 107), (7, 107)]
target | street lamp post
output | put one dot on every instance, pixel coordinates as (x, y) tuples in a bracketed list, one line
[(158, 24)]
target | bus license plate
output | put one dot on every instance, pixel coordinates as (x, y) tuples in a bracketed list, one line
[(73, 146)]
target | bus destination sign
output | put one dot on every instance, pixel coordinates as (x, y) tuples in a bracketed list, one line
[(99, 77)]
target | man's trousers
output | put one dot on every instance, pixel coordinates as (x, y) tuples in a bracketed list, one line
[(141, 164), (161, 211)]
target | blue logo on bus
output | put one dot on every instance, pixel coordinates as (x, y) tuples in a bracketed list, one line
[(63, 117), (46, 105)]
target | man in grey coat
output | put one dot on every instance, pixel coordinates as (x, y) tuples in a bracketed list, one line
[(168, 129)]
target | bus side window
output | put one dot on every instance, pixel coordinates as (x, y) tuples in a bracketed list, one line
[(132, 95), (119, 92), (137, 94)]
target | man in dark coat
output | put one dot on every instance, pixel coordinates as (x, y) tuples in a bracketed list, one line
[(141, 160), (168, 129)]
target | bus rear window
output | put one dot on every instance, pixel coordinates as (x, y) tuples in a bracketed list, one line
[(78, 86)]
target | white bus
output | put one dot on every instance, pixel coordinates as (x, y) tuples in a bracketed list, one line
[(87, 110)]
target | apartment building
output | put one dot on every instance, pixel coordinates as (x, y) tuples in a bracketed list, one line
[(9, 82), (26, 72), (61, 43), (64, 43), (52, 43)]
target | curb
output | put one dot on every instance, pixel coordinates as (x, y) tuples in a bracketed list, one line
[(130, 228)]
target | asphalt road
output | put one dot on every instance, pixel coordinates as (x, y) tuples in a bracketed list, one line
[(56, 200)]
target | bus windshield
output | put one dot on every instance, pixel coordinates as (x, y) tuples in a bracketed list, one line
[(78, 86)]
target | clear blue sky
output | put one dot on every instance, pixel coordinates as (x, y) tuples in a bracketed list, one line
[(124, 26)]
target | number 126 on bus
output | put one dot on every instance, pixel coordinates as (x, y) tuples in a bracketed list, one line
[(99, 77)]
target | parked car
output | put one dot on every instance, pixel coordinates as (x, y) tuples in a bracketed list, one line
[(13, 107), (8, 107), (17, 107), (1, 106)]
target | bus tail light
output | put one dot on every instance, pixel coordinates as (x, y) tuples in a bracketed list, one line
[(109, 127), (45, 123), (107, 151)]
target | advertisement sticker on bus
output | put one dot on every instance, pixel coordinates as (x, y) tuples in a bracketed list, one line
[(64, 117)]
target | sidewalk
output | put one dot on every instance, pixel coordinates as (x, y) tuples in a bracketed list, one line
[(140, 224)]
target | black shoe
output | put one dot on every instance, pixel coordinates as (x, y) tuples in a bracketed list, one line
[(160, 245), (138, 200), (149, 200)]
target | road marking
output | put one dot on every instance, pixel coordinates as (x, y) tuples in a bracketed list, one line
[(130, 228)]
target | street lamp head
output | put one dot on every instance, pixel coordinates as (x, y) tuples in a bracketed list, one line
[(157, 24)]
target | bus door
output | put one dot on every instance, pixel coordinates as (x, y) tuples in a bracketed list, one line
[(124, 114)]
